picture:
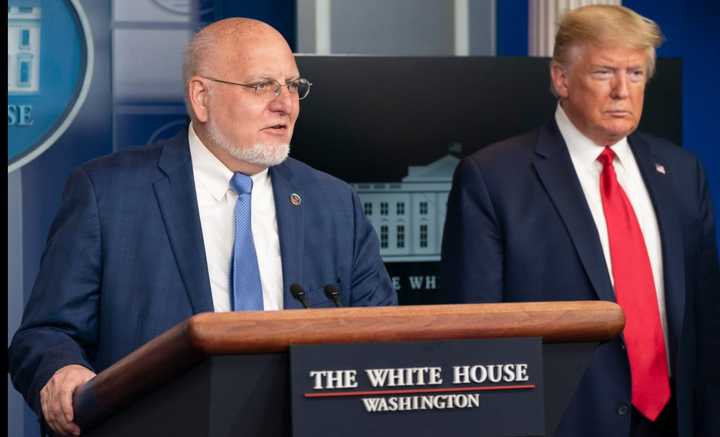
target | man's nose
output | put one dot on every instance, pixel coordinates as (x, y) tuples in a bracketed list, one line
[(620, 85), (284, 101)]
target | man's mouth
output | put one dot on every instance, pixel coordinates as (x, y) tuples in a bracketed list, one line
[(619, 113), (279, 128)]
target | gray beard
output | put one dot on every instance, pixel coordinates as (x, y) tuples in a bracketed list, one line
[(257, 154)]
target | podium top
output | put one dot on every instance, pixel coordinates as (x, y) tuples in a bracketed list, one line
[(206, 334), (274, 331)]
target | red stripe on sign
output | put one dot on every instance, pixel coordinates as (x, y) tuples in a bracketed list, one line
[(418, 390)]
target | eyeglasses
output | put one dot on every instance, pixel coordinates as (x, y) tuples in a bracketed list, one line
[(270, 87)]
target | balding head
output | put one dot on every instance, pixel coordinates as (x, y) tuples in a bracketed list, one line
[(222, 43), (227, 64)]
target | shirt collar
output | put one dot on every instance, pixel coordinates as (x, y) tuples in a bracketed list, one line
[(211, 172), (582, 148)]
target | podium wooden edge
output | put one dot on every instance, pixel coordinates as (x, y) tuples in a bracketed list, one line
[(189, 342)]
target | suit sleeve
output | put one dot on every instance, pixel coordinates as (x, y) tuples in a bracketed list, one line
[(472, 249), (371, 285), (59, 325), (708, 298)]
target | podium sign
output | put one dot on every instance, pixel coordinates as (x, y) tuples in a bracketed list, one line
[(491, 387)]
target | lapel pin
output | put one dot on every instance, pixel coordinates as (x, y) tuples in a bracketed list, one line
[(660, 168), (295, 199)]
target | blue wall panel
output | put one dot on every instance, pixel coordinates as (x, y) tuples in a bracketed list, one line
[(692, 32), (281, 14), (512, 27), (38, 185)]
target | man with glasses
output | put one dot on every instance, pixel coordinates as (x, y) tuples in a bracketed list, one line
[(216, 219)]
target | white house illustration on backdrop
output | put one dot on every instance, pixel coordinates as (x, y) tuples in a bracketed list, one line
[(23, 49), (409, 216)]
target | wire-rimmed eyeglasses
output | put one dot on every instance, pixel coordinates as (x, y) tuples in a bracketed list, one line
[(265, 88)]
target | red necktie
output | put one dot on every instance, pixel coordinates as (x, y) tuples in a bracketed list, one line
[(635, 292)]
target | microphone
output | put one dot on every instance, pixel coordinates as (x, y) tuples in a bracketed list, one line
[(333, 293), (299, 293)]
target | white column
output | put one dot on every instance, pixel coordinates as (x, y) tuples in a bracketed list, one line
[(313, 27), (322, 27), (462, 29), (543, 16)]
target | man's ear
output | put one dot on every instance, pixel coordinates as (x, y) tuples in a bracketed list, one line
[(559, 77), (197, 91)]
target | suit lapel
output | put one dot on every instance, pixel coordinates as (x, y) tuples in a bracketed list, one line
[(178, 204), (659, 187), (290, 229), (556, 171)]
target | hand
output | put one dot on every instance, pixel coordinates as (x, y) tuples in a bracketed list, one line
[(56, 398)]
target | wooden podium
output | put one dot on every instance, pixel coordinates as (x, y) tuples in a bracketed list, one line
[(225, 374)]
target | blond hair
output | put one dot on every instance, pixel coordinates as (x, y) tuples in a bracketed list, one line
[(603, 26)]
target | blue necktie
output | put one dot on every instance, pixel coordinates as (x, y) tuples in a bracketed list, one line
[(246, 286)]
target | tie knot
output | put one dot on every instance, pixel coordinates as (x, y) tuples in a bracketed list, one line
[(606, 157), (241, 183)]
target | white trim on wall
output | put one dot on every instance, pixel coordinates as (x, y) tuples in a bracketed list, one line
[(322, 27), (462, 27)]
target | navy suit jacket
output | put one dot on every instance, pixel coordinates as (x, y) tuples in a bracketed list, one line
[(519, 229), (125, 259)]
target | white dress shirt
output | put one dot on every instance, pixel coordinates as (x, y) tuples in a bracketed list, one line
[(216, 202), (584, 153)]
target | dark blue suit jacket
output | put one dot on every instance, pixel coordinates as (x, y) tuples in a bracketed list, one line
[(519, 229), (125, 259)]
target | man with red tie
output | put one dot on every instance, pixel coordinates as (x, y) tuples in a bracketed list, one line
[(585, 208)]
